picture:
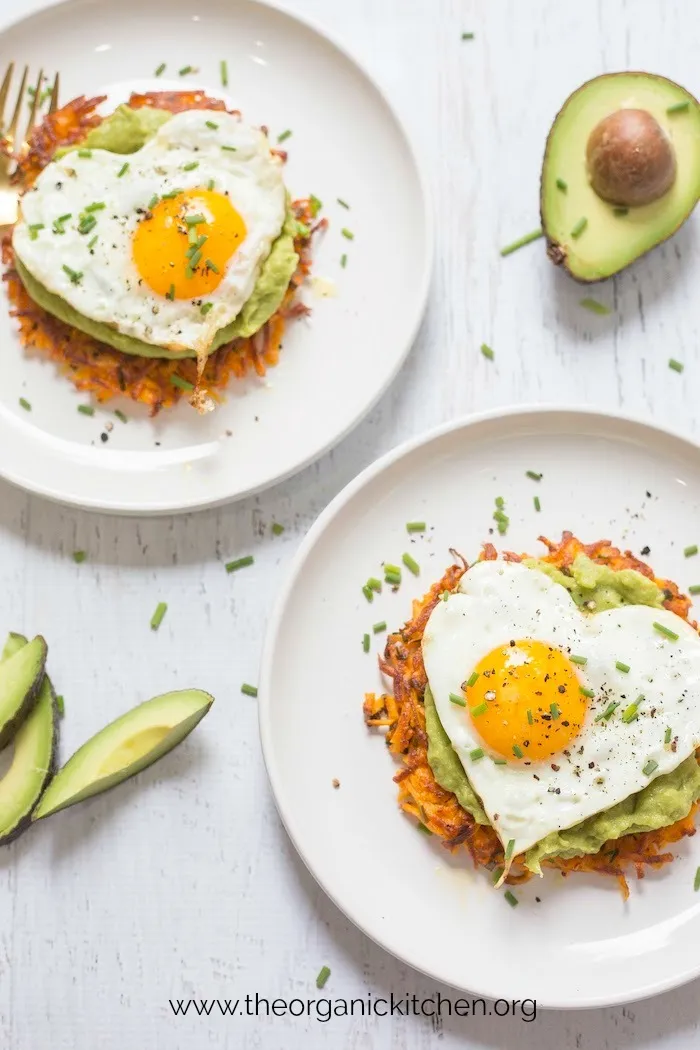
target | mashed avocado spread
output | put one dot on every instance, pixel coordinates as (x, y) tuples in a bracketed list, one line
[(126, 131), (665, 800)]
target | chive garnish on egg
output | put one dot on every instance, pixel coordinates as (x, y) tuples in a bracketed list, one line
[(586, 692), (476, 754), (458, 700), (499, 762), (622, 667), (84, 152), (374, 584), (191, 165), (605, 715), (95, 206), (391, 568), (170, 294), (530, 719), (92, 243), (415, 526), (86, 410), (75, 275), (472, 679), (650, 767), (240, 563), (34, 230), (630, 712), (522, 241), (212, 124), (87, 223), (230, 149), (667, 735), (158, 615), (581, 660), (554, 711), (517, 751), (205, 308), (411, 564), (368, 593), (665, 631), (211, 266), (379, 627), (183, 384), (365, 643), (195, 220), (480, 709), (123, 170)]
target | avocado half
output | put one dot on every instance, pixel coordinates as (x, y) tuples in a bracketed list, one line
[(590, 236), (34, 756), (125, 747), (21, 676)]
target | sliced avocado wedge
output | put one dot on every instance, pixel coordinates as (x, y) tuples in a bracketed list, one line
[(621, 172), (20, 680), (124, 748), (33, 759)]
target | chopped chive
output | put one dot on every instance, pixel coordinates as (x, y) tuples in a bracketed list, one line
[(153, 201), (411, 564), (34, 230), (467, 36), (223, 66), (580, 660), (694, 589), (158, 615), (676, 366), (650, 767), (530, 719), (630, 712), (240, 563), (79, 557), (517, 751), (458, 700), (586, 692), (66, 217), (608, 712), (75, 275), (690, 551), (445, 595), (205, 308), (497, 872), (561, 185), (95, 206), (480, 709), (620, 211), (283, 136), (230, 149), (182, 384), (554, 711), (195, 257), (696, 883), (192, 235), (160, 70), (120, 416), (379, 627), (500, 762), (476, 754), (509, 848), (678, 107), (212, 124), (374, 584), (25, 404), (211, 266), (595, 307), (195, 220), (487, 352), (665, 631), (500, 502), (92, 243), (323, 975), (472, 679), (347, 234), (533, 474), (579, 227), (368, 593), (392, 578), (191, 165), (536, 502), (415, 526), (343, 204), (343, 260), (277, 529), (622, 667), (84, 152), (86, 410), (87, 224), (365, 643), (60, 705), (522, 241), (249, 690), (391, 568), (667, 735), (511, 898), (171, 194), (185, 70)]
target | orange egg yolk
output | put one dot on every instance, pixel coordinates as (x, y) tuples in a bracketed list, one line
[(184, 243), (526, 703)]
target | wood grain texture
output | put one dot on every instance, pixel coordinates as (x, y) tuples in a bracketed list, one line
[(183, 882)]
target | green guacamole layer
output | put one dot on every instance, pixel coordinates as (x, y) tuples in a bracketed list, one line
[(665, 800), (126, 131)]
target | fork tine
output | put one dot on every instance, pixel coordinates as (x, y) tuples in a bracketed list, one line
[(54, 96), (35, 102), (12, 130), (4, 90)]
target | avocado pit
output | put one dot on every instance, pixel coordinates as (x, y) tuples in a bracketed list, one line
[(630, 159)]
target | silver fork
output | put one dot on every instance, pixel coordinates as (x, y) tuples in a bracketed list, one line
[(15, 145)]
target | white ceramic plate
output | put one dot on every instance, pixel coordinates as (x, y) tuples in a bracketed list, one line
[(604, 477), (346, 143)]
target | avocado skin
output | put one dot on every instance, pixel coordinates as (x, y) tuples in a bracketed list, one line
[(10, 728), (13, 644), (555, 252)]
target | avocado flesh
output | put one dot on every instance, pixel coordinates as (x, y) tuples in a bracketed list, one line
[(20, 680), (33, 759), (125, 747), (610, 242)]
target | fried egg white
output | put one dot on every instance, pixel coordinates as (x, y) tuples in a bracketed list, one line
[(552, 730), (110, 234)]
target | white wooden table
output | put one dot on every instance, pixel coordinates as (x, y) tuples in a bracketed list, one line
[(183, 883)]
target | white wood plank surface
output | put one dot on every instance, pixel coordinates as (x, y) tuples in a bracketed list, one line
[(184, 883)]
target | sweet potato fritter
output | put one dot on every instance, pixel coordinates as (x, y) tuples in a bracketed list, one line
[(403, 715), (100, 370)]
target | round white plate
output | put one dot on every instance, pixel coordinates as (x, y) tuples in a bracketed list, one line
[(346, 142), (603, 477)]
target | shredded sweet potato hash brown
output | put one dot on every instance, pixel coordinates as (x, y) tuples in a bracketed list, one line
[(403, 716), (100, 370)]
